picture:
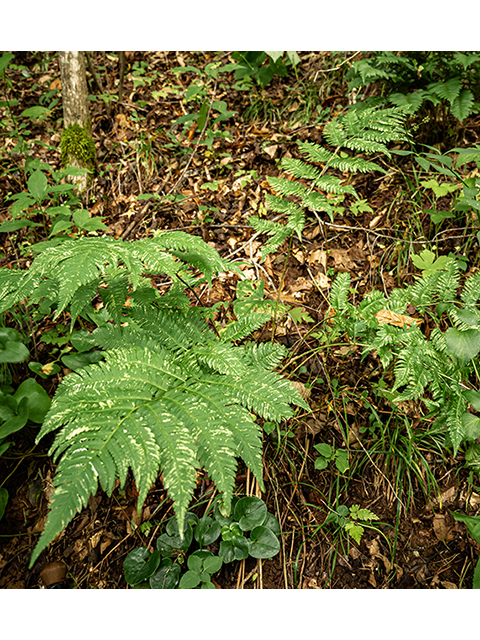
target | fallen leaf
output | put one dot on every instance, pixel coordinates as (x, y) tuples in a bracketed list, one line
[(390, 317), (448, 585), (302, 389), (318, 256), (443, 531), (322, 281)]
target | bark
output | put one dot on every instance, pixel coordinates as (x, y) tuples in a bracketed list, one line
[(74, 88), (78, 148)]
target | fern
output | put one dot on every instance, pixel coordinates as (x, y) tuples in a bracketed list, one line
[(439, 369), (170, 394), (366, 131)]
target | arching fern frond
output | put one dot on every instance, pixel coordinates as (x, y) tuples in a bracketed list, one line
[(169, 395), (367, 131)]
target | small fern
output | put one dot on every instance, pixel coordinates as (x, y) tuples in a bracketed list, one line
[(441, 369), (170, 394), (366, 131)]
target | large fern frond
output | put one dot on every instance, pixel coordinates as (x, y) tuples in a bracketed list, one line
[(169, 395)]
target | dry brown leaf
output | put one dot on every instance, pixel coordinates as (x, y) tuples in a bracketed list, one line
[(443, 531), (318, 257), (448, 585), (302, 389), (322, 280), (390, 317), (271, 150)]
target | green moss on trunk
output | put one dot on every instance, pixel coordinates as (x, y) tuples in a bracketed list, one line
[(78, 148)]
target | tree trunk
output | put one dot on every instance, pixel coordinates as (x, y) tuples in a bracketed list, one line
[(78, 148)]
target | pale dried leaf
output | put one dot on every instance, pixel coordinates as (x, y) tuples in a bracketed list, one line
[(390, 317)]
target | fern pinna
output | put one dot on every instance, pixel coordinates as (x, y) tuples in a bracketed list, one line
[(366, 131), (440, 369), (171, 394)]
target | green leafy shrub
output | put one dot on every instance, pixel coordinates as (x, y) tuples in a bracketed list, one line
[(197, 94), (411, 79), (170, 392), (162, 569), (367, 132), (44, 199), (438, 368)]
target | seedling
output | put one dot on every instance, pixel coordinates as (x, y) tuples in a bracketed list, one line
[(328, 454), (352, 520)]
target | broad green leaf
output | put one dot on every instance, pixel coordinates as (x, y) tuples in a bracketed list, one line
[(140, 564), (341, 460), (250, 512), (471, 425), (468, 317), (80, 218), (15, 225), (6, 58), (167, 576), (476, 576), (212, 564), (264, 543), (61, 225), (293, 57), (3, 496), (22, 202), (473, 397), (207, 531), (465, 345), (81, 360), (472, 523), (35, 112), (38, 185), (38, 400), (189, 580), (324, 449), (425, 261), (274, 55), (13, 352), (16, 422)]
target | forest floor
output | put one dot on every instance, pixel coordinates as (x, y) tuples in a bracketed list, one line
[(415, 543)]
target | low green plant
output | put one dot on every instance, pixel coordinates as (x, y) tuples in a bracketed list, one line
[(440, 368), (18, 126), (44, 199), (327, 454), (261, 66), (352, 520), (197, 94), (28, 402), (162, 569), (367, 131), (172, 392), (473, 527)]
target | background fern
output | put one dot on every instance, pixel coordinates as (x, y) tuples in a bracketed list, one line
[(170, 394), (367, 131), (441, 369)]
